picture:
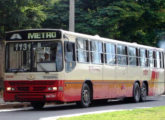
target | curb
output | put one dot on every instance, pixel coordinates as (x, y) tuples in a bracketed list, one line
[(16, 105)]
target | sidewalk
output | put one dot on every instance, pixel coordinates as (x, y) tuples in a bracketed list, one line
[(9, 105)]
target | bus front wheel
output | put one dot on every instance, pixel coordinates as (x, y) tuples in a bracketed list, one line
[(85, 96), (37, 105)]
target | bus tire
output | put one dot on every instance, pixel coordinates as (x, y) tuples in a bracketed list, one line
[(85, 96), (143, 93), (136, 92), (37, 105)]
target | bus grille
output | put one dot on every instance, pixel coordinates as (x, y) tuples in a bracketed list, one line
[(31, 89), (23, 88), (29, 98), (32, 82), (39, 88)]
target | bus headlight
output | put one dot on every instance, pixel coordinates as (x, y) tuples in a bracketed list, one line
[(10, 89), (52, 88)]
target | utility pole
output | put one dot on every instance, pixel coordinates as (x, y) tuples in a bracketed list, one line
[(72, 15)]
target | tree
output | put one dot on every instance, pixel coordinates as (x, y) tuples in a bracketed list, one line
[(21, 14), (129, 20), (57, 15), (134, 21)]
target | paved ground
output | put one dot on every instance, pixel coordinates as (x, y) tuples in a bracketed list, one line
[(71, 109), (10, 105)]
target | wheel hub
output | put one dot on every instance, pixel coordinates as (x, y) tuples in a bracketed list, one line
[(86, 95)]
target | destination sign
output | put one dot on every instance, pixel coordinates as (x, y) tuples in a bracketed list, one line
[(33, 35)]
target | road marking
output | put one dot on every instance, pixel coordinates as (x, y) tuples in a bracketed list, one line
[(17, 109)]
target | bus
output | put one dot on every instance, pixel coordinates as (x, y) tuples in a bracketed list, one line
[(54, 65)]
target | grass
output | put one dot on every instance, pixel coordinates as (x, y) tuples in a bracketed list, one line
[(156, 113)]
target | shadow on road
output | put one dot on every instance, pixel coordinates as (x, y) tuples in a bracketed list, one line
[(95, 104)]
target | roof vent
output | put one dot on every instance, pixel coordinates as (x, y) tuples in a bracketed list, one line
[(97, 36)]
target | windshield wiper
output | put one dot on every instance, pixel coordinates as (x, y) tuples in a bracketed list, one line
[(18, 70)]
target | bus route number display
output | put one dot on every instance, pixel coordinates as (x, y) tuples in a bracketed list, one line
[(22, 47)]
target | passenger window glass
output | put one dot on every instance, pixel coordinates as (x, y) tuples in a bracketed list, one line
[(121, 50), (96, 52), (143, 59), (82, 50), (110, 57), (121, 55), (132, 56), (158, 59), (162, 60), (151, 60)]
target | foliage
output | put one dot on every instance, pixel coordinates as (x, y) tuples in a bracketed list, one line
[(21, 14), (129, 20), (57, 15)]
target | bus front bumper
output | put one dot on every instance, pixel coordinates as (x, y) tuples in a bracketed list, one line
[(29, 97)]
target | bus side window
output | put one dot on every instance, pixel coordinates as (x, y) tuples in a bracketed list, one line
[(122, 55), (161, 64), (154, 56), (143, 58), (132, 56), (162, 60), (70, 62), (137, 57), (158, 59), (82, 48), (110, 53), (151, 60), (97, 56)]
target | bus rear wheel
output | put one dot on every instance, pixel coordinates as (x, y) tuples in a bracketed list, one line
[(136, 92), (143, 93), (85, 96), (37, 105)]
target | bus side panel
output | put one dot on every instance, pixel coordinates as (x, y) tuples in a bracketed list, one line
[(112, 89), (156, 82), (161, 83), (100, 89), (72, 90)]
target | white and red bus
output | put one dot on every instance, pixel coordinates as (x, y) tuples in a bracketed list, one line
[(50, 65)]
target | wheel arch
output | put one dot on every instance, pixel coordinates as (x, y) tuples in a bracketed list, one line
[(137, 81), (146, 83)]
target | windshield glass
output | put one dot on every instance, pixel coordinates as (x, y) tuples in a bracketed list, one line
[(34, 57)]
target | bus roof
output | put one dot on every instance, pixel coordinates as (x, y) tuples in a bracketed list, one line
[(111, 40), (96, 37)]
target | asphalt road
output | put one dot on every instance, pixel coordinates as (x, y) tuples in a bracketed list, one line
[(69, 109)]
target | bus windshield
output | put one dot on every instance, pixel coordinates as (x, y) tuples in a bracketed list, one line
[(34, 56)]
